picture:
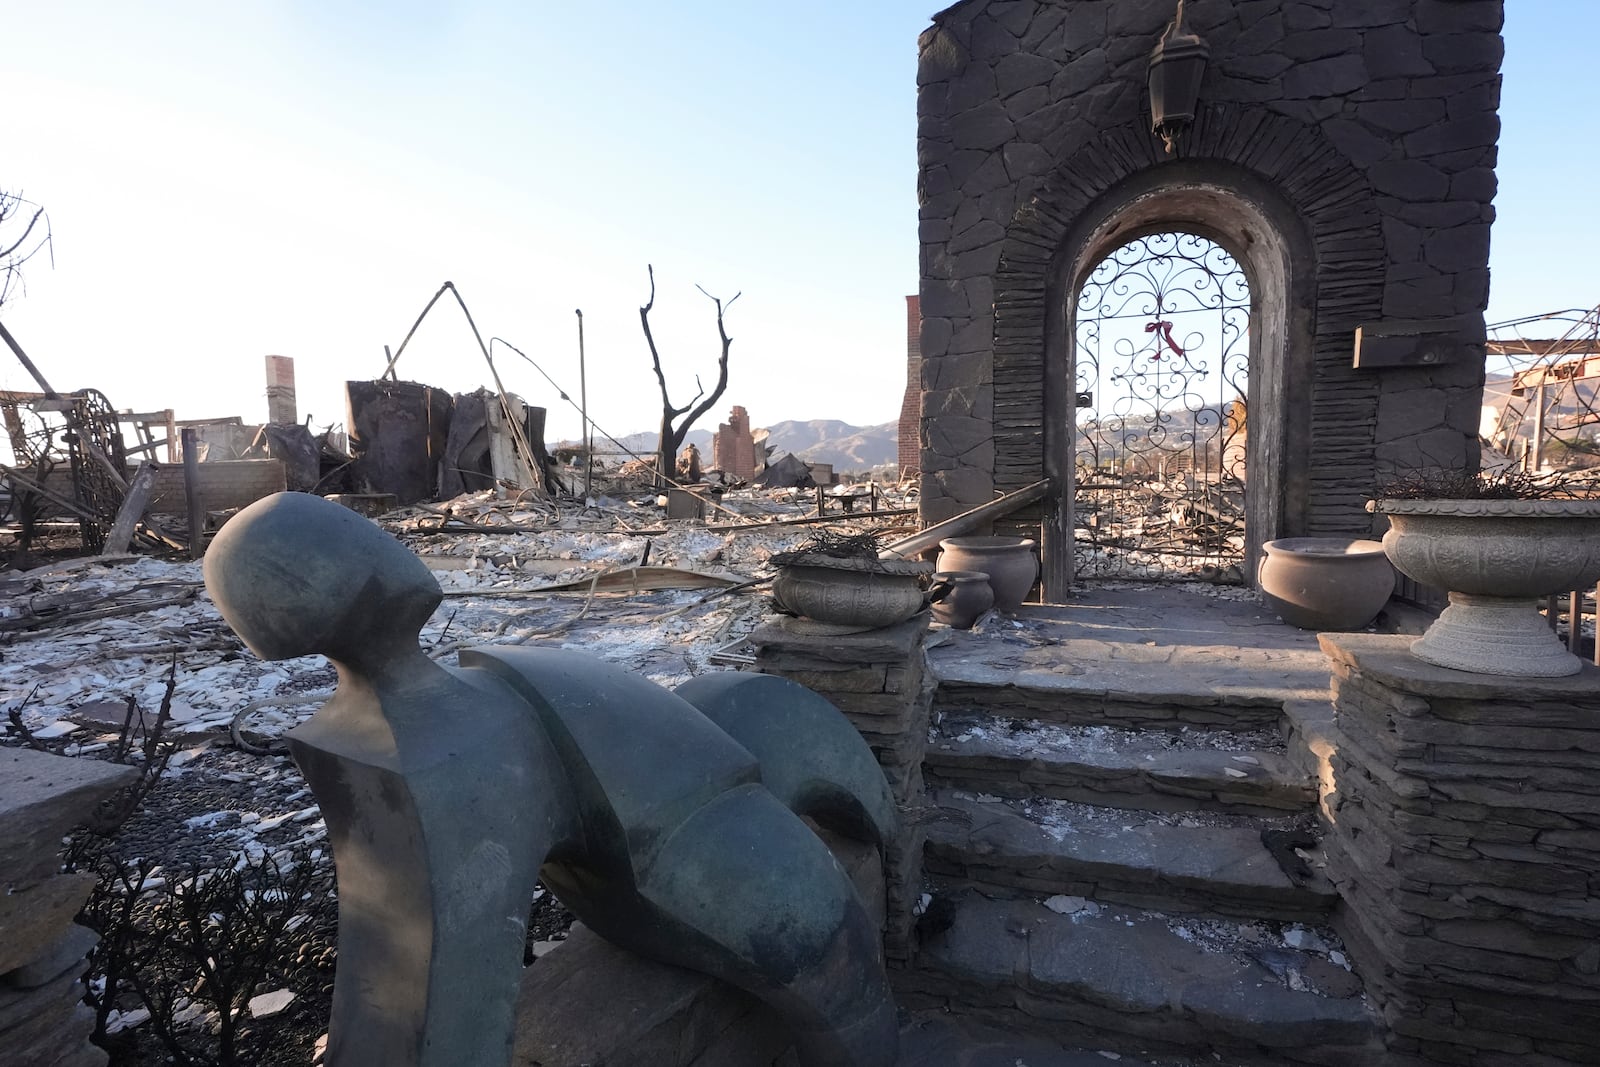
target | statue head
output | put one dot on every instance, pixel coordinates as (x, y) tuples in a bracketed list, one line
[(295, 574)]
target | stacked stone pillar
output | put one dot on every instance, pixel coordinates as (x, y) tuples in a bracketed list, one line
[(43, 1020), (879, 679), (1465, 841)]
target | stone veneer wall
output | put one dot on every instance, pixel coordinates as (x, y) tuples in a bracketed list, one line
[(1465, 841), (1372, 122), (880, 680)]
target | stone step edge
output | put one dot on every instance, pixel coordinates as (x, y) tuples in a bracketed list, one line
[(1262, 779), (1004, 848), (1312, 738), (1101, 981), (1168, 709)]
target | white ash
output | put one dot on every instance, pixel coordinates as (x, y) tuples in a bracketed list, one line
[(1063, 818), (1031, 737)]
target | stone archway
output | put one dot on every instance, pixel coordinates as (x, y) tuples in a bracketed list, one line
[(1263, 235), (1300, 220), (1364, 133)]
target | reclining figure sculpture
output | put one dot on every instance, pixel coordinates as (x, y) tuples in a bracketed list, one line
[(670, 823)]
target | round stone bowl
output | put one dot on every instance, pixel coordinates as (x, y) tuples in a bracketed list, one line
[(1497, 559), (1325, 583), (865, 593)]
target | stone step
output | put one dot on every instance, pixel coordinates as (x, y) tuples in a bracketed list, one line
[(1164, 704), (1148, 984), (1243, 772), (1198, 863)]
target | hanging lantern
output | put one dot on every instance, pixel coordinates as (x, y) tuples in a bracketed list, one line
[(1176, 66)]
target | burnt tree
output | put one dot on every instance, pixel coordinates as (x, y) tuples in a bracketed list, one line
[(24, 230), (674, 429)]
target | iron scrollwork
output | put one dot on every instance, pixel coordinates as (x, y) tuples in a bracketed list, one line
[(1162, 351)]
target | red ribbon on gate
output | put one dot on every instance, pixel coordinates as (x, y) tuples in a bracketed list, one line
[(1166, 333)]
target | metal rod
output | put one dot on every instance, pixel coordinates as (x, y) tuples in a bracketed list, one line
[(11, 474), (389, 371), (11, 343), (1536, 453), (583, 411), (1574, 619), (957, 525)]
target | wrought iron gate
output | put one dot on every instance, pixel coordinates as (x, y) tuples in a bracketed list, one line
[(1161, 358)]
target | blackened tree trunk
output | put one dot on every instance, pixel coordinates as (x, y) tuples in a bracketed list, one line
[(673, 427)]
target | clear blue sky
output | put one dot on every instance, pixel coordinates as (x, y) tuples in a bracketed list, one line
[(232, 180)]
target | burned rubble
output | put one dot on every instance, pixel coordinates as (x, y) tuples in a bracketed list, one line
[(667, 599)]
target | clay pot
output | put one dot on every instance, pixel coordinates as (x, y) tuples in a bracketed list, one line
[(1325, 583), (959, 597), (1497, 559), (867, 593), (1008, 561)]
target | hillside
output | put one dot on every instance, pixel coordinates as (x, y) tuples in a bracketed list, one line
[(847, 447), (643, 443)]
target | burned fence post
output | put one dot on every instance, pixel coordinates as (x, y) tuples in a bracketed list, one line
[(191, 493), (133, 509)]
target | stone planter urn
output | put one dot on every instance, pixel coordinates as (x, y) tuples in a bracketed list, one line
[(1009, 562), (1496, 558), (960, 597), (863, 593), (1325, 583)]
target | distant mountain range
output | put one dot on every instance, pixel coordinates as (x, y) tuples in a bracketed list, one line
[(847, 447), (643, 444)]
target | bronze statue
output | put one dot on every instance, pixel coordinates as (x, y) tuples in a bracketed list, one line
[(669, 823)]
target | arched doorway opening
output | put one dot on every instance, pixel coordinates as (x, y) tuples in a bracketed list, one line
[(1260, 251), (1161, 371)]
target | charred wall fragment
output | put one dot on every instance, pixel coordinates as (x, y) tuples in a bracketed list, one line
[(398, 432)]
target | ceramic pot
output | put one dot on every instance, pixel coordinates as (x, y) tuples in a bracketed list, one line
[(868, 593), (1497, 559), (960, 597), (1008, 561), (1325, 583)]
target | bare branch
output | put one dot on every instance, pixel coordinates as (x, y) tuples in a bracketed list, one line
[(673, 429), (655, 356), (722, 362), (721, 307), (18, 249), (37, 215)]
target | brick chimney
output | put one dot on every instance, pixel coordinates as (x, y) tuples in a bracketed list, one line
[(281, 407), (733, 450)]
